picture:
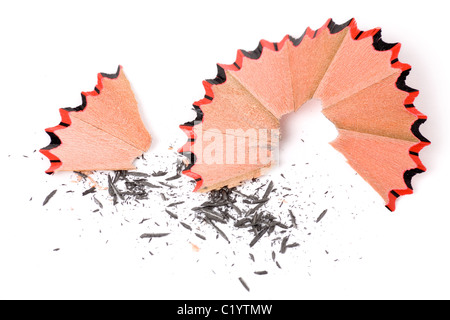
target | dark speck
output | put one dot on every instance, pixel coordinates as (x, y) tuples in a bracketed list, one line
[(244, 284), (261, 273), (321, 215), (90, 190), (47, 199)]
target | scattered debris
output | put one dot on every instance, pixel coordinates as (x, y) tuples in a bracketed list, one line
[(261, 273), (283, 244), (244, 284), (321, 215), (200, 236), (246, 214), (173, 215), (47, 199), (90, 190), (153, 235), (186, 225), (97, 202)]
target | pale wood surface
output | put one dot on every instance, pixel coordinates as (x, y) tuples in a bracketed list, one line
[(381, 161), (116, 112), (266, 79), (377, 110), (310, 60), (85, 147)]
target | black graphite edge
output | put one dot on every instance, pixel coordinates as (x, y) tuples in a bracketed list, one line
[(380, 45), (112, 75), (336, 28), (54, 141), (254, 54), (409, 174), (297, 41), (415, 130), (220, 78), (332, 26), (198, 118), (83, 97)]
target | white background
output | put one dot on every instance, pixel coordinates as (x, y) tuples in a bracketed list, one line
[(51, 51)]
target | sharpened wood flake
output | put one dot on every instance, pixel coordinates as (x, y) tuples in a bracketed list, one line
[(99, 136), (47, 199)]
